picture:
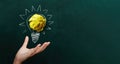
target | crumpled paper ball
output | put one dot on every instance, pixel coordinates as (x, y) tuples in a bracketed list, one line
[(37, 22)]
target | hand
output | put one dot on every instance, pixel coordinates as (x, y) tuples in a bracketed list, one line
[(24, 53)]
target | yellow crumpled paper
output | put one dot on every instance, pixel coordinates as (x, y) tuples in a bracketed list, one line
[(37, 22)]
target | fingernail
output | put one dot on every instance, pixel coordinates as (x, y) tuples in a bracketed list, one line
[(48, 42), (39, 44), (26, 36)]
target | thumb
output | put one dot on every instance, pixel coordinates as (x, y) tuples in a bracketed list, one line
[(25, 41)]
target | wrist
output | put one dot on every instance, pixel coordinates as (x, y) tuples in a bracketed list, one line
[(17, 61)]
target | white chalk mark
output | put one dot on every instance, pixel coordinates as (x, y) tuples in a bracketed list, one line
[(22, 24), (50, 22), (26, 11), (35, 36), (45, 11), (33, 9), (43, 32), (22, 16), (49, 16), (48, 28), (39, 8), (36, 9)]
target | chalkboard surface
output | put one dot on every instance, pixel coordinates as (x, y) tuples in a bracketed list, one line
[(84, 31)]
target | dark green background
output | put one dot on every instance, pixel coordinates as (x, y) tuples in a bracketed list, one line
[(84, 31)]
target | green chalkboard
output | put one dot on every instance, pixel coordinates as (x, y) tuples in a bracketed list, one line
[(83, 32)]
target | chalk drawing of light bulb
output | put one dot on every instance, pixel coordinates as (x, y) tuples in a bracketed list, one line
[(37, 21)]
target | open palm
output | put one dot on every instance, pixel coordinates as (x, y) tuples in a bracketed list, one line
[(24, 52)]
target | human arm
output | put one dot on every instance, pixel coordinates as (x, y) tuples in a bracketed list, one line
[(24, 53)]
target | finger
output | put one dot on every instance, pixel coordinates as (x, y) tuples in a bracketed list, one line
[(35, 49), (38, 46), (43, 47), (25, 41)]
